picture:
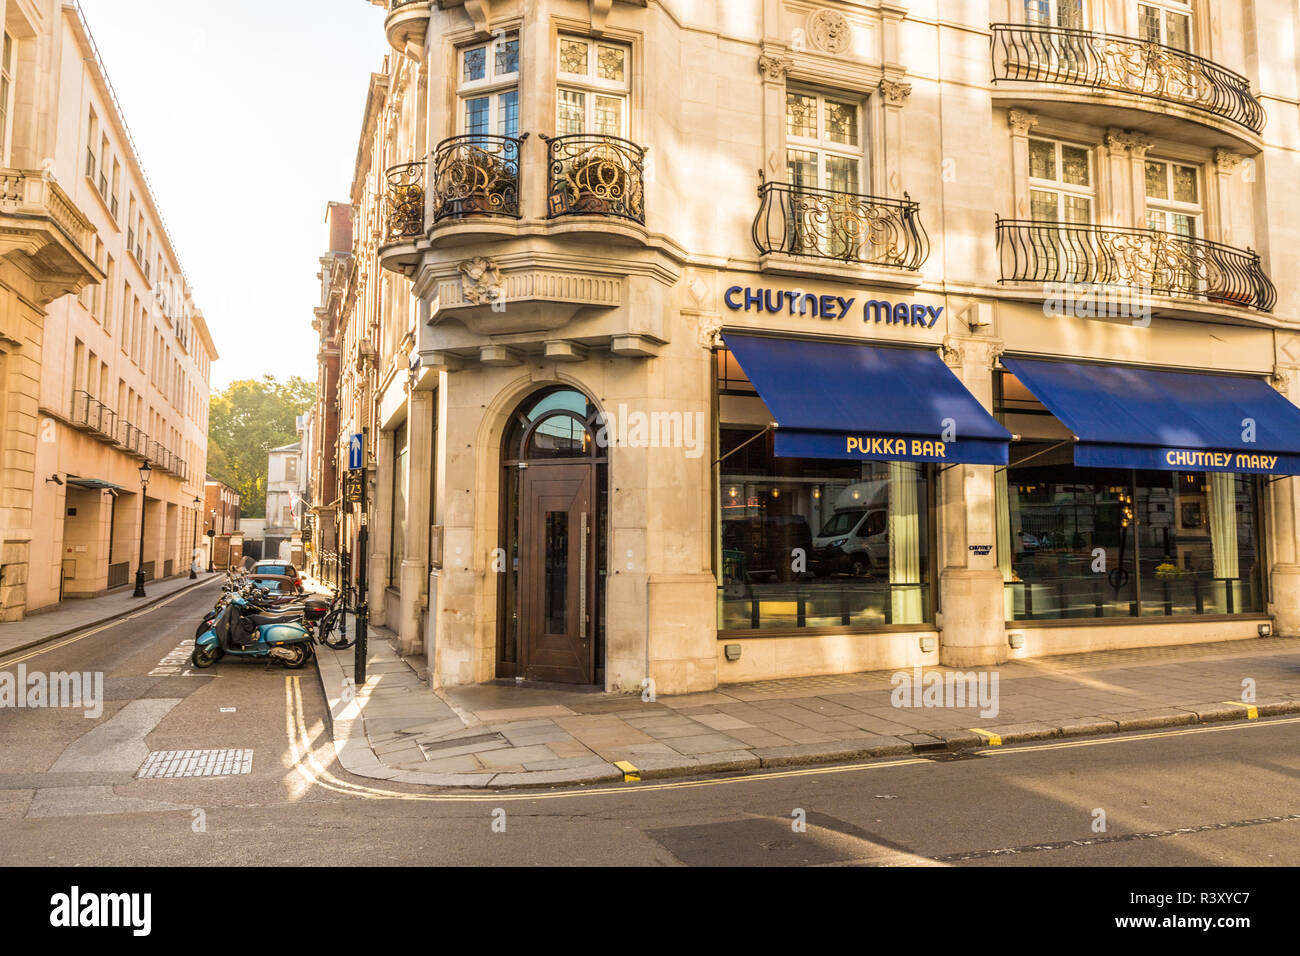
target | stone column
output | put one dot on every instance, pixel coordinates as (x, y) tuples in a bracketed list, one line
[(893, 94), (380, 475), (1021, 123), (413, 581), (1282, 501), (973, 617), (1231, 231)]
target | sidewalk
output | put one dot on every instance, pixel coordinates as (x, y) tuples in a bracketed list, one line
[(77, 614), (496, 735)]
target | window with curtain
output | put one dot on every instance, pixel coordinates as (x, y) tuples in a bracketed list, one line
[(810, 543), (397, 528), (1094, 542)]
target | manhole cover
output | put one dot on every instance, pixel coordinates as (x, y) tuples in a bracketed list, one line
[(195, 763)]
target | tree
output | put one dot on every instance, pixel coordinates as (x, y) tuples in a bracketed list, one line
[(246, 421)]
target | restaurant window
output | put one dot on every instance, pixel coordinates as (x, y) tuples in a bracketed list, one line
[(397, 529), (1104, 543), (593, 85), (1168, 23), (814, 543), (489, 88)]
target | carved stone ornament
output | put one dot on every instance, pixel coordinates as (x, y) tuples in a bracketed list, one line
[(1281, 379), (709, 331), (895, 92), (1021, 122), (775, 68), (951, 352), (829, 31), (481, 280), (1228, 161)]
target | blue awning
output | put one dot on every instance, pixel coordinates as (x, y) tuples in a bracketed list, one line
[(851, 401), (1126, 417)]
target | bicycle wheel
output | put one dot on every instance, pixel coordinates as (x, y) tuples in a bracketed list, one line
[(334, 632)]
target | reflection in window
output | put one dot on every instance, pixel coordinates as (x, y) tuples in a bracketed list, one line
[(807, 543)]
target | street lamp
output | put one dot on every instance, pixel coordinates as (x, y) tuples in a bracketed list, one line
[(193, 573), (212, 539), (145, 473)]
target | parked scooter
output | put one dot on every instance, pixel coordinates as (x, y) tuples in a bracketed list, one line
[(244, 630)]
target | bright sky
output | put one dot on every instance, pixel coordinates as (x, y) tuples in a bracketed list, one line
[(246, 114)]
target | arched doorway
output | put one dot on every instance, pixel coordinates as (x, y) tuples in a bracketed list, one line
[(553, 530)]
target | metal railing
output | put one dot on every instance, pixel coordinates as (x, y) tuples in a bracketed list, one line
[(404, 202), (1107, 61), (1144, 260), (89, 412), (590, 174), (476, 175), (830, 224)]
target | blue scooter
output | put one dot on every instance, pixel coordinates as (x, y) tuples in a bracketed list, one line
[(244, 631)]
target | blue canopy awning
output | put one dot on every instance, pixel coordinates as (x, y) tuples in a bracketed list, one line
[(1128, 417), (851, 401)]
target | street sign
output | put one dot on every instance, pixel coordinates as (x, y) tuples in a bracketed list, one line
[(355, 453), (353, 483)]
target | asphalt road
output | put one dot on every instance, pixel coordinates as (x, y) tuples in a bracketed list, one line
[(1218, 795)]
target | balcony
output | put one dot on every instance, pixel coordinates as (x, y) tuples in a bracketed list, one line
[(132, 439), (594, 175), (40, 222), (476, 176), (1145, 261), (1103, 62), (406, 25), (404, 203), (852, 234), (94, 416)]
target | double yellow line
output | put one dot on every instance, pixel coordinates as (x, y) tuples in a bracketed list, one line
[(313, 771)]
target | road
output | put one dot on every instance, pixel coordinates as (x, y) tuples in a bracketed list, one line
[(1216, 795)]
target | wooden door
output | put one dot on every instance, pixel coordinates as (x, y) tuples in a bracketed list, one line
[(556, 572)]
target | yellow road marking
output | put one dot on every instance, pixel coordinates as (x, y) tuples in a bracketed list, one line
[(990, 738), (46, 648), (629, 772), (314, 772), (1252, 712)]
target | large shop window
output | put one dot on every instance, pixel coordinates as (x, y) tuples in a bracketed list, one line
[(1083, 542), (809, 542)]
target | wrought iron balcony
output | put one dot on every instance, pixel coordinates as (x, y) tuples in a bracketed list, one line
[(1105, 61), (404, 202), (1142, 260), (594, 175), (476, 175), (830, 224)]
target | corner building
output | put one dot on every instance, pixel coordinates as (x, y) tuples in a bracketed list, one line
[(763, 339)]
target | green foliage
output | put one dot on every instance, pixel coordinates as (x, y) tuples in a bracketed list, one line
[(246, 421)]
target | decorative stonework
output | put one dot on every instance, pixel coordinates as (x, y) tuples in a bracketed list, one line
[(1281, 379), (1021, 122), (481, 281), (775, 68), (708, 332), (951, 353), (829, 31), (1228, 161), (895, 92)]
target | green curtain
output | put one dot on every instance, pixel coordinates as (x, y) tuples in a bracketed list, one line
[(1002, 504), (904, 543)]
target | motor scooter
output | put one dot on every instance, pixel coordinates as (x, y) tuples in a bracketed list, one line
[(242, 630)]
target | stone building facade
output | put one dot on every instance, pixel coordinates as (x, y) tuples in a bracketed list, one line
[(696, 343)]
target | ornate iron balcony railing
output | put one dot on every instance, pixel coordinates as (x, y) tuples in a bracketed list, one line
[(1106, 61), (404, 202), (830, 224), (590, 174), (476, 175), (1143, 260)]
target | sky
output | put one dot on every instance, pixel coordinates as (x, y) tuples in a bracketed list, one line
[(246, 114)]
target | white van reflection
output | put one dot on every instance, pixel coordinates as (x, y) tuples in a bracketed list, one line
[(855, 538)]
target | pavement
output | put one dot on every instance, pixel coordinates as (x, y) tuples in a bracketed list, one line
[(396, 727), (78, 614)]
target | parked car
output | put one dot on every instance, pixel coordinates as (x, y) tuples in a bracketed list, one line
[(852, 541), (279, 569)]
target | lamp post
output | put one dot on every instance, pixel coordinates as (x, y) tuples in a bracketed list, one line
[(212, 540), (145, 473), (193, 560)]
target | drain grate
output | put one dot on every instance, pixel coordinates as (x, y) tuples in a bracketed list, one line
[(195, 763)]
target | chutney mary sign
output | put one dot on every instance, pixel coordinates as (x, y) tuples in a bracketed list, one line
[(832, 308)]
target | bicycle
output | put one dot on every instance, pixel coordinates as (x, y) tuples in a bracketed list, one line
[(333, 628)]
